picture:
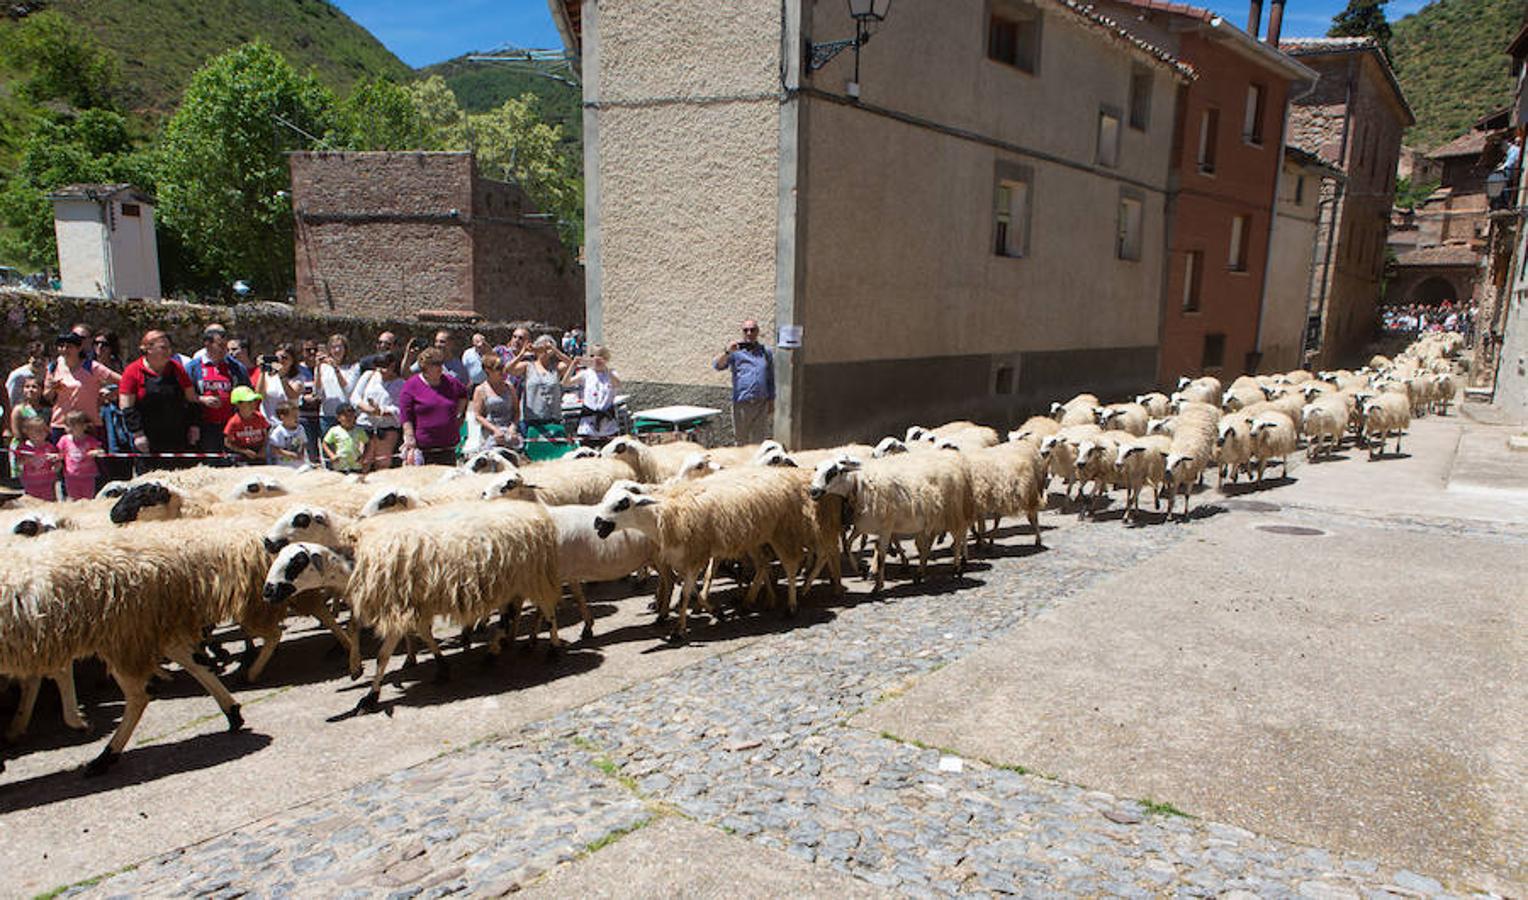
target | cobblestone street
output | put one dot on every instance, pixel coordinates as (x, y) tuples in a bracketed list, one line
[(758, 742)]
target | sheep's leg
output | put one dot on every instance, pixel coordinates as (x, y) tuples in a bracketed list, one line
[(325, 615), (554, 635), (1034, 523), (705, 591), (879, 563), (925, 544), (791, 567), (64, 678), (761, 579), (663, 597), (577, 589), (135, 699), (442, 668), (23, 717), (210, 683), (368, 703), (268, 646), (686, 590)]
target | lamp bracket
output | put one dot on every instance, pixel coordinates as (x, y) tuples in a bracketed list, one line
[(823, 53)]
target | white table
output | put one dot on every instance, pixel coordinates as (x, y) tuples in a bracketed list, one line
[(674, 415)]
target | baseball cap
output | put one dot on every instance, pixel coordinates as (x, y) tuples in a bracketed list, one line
[(242, 394)]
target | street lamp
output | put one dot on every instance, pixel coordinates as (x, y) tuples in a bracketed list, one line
[(863, 12), (1496, 185)]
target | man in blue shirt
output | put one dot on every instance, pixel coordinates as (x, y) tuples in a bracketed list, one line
[(753, 384)]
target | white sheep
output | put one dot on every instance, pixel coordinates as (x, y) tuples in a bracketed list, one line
[(1156, 404), (889, 446), (1387, 414), (1191, 450), (1035, 429), (1233, 445), (1323, 423), (1274, 438), (1130, 417), (584, 557), (1142, 462), (1006, 480), (1445, 386)]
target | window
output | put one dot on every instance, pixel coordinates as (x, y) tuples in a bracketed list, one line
[(1299, 190), (1011, 211), (1214, 355), (1107, 152), (1140, 98), (1193, 278), (1013, 37), (130, 209), (1209, 124), (1128, 244), (1002, 380), (1241, 226), (1252, 119)]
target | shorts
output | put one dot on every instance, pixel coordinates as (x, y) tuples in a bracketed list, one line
[(384, 431)]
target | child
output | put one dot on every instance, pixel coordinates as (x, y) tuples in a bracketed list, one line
[(287, 444), (244, 434), (39, 460), (79, 451), (30, 405), (345, 443)]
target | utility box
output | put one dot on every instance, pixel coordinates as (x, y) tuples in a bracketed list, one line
[(106, 243)]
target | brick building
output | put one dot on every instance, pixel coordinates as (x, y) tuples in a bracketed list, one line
[(392, 233), (1224, 180), (1353, 119)]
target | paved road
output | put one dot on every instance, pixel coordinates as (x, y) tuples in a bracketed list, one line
[(748, 732)]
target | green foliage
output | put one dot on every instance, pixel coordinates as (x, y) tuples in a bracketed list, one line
[(1450, 61), (441, 113), (59, 60), (1363, 18), (379, 115), (481, 86), (1409, 194), (223, 171), (94, 147)]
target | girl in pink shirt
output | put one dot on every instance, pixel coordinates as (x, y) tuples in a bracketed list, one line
[(79, 450), (39, 461)]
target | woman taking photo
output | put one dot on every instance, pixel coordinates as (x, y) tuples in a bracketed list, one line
[(495, 408), (542, 367), (430, 409), (334, 381), (379, 411), (597, 384), (278, 382)]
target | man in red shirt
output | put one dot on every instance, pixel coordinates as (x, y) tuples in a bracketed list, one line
[(215, 378), (245, 431)]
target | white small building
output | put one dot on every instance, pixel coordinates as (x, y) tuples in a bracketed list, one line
[(106, 244)]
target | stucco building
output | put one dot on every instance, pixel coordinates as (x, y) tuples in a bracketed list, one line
[(1224, 181), (1501, 352), (393, 233), (1353, 119), (106, 242), (1292, 257), (975, 228)]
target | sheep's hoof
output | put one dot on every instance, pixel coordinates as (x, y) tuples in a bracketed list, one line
[(662, 617), (676, 638), (368, 703), (82, 728), (235, 718), (553, 651), (355, 673), (790, 612), (98, 766), (587, 633)]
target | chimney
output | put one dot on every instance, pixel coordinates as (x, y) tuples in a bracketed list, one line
[(1275, 22), (1255, 18)]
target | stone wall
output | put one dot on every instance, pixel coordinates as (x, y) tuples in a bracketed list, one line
[(32, 316)]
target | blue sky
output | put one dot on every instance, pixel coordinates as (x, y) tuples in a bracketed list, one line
[(423, 33)]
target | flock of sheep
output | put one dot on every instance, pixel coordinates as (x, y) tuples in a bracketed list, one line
[(144, 573)]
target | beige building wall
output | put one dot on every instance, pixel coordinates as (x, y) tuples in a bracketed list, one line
[(683, 125), (81, 248), (1290, 261), (134, 254)]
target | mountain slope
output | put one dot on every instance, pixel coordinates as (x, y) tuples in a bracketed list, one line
[(1450, 60), (162, 42), (480, 86)]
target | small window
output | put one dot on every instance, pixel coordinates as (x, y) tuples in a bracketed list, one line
[(1209, 124), (1128, 244), (1241, 227), (1140, 98), (1252, 121), (1107, 152), (1011, 218), (1193, 278), (1013, 37), (1002, 381), (130, 209), (1299, 190), (1214, 355)]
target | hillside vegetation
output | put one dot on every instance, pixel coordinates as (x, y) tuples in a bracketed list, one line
[(1451, 62), (162, 42), (481, 86)]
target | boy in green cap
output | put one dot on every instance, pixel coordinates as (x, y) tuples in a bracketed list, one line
[(245, 431)]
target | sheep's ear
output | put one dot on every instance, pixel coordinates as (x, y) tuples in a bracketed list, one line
[(318, 561), (644, 501), (320, 519)]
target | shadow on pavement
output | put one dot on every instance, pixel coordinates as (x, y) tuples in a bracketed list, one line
[(139, 765)]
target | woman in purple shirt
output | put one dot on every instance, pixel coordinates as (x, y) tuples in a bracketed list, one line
[(430, 409)]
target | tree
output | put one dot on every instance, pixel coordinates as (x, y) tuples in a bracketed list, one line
[(440, 112), (224, 179), (1363, 18), (93, 147), (380, 115), (62, 60), (512, 142)]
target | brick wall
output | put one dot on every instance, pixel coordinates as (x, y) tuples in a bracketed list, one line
[(393, 233)]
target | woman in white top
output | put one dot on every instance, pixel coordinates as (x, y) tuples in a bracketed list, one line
[(597, 384), (334, 381), (279, 383), (379, 408)]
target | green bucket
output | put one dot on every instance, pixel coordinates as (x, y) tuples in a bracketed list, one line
[(544, 442)]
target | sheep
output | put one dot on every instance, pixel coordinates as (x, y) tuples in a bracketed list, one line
[(1274, 437), (1156, 404), (732, 457), (1080, 410), (1297, 377), (460, 561), (1096, 465), (1239, 396), (1388, 413), (30, 523), (1323, 424), (773, 456), (696, 465), (583, 556), (1191, 450), (1060, 453), (810, 459), (582, 481), (1199, 390), (1233, 445), (1379, 362), (916, 433), (731, 515), (889, 446), (916, 494), (1131, 417), (968, 435), (1006, 480), (492, 460), (1445, 386), (131, 598), (1035, 429), (1141, 462)]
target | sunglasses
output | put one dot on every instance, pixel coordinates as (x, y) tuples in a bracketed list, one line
[(100, 343)]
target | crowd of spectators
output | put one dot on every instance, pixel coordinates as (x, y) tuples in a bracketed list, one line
[(78, 413), (1419, 317)]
